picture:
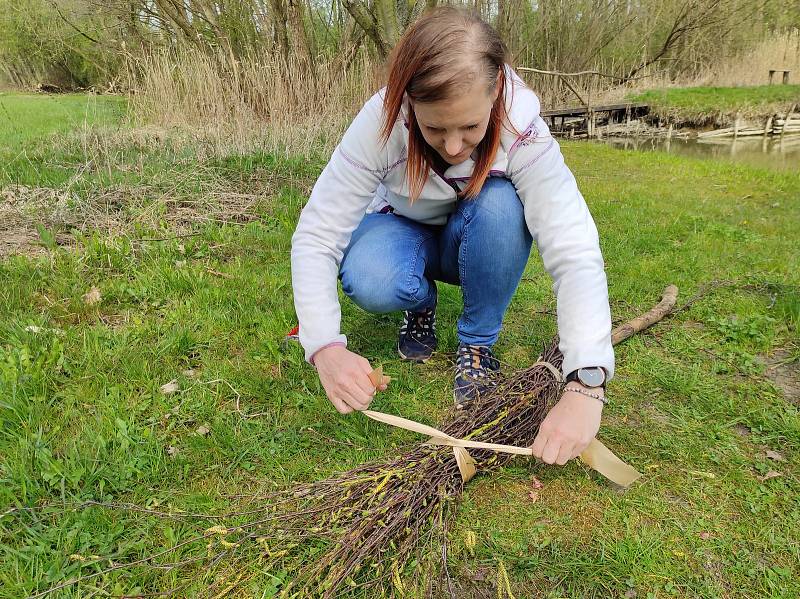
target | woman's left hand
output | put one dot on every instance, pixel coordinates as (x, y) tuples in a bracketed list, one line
[(568, 428)]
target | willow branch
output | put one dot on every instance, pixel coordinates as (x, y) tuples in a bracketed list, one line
[(662, 309), (71, 24), (579, 74)]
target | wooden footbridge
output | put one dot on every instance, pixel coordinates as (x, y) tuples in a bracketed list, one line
[(584, 119)]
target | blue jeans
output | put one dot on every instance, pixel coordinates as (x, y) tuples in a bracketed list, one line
[(393, 263)]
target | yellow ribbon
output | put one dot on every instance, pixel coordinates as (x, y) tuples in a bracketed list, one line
[(596, 455)]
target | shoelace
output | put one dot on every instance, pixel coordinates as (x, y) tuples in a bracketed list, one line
[(419, 325), (475, 360)]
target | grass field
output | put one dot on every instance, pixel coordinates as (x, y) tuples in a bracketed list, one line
[(26, 120), (701, 104), (190, 255), (26, 117)]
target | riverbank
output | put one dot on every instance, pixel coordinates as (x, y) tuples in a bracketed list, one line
[(704, 107), (686, 113), (772, 152), (141, 320)]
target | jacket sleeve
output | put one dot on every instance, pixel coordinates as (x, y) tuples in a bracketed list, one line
[(567, 239), (337, 204)]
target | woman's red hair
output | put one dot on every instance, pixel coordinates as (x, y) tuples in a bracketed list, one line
[(437, 57)]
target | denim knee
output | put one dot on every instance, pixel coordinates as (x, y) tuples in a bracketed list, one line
[(496, 213), (378, 290)]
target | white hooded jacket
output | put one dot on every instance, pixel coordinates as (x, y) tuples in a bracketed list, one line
[(364, 174)]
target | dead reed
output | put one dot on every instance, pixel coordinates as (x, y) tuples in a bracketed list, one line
[(267, 103), (280, 106)]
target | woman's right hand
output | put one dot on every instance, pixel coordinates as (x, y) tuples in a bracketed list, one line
[(345, 377)]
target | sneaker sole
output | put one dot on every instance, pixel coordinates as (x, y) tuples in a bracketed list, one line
[(417, 360)]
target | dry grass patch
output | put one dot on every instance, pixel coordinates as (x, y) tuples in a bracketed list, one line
[(33, 219), (266, 104)]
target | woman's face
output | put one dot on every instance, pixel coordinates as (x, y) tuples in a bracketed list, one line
[(454, 127)]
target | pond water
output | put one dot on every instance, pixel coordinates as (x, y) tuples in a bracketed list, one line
[(757, 151)]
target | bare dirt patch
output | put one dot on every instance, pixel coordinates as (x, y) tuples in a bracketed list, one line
[(783, 370)]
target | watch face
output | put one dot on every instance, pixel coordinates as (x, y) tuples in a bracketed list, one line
[(591, 377)]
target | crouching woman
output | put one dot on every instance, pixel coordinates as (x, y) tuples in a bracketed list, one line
[(449, 174)]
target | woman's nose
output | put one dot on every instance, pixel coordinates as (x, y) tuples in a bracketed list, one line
[(453, 145)]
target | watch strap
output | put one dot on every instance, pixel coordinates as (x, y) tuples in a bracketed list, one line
[(572, 377)]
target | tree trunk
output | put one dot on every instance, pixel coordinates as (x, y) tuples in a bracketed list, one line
[(300, 39), (386, 12), (177, 17), (209, 12), (279, 20), (367, 21)]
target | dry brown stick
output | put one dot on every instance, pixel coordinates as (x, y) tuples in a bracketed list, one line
[(704, 290), (578, 74), (573, 90), (216, 273), (166, 238), (664, 307)]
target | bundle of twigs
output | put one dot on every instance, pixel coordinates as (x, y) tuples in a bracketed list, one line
[(360, 528), (376, 513)]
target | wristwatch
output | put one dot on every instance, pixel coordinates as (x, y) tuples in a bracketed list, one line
[(593, 376)]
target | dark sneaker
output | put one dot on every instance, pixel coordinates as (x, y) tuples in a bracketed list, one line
[(417, 338), (476, 370)]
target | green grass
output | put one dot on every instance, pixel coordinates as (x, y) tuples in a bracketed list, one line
[(28, 120), (27, 117), (703, 103), (82, 417)]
